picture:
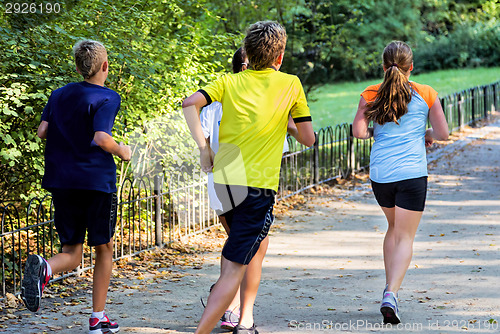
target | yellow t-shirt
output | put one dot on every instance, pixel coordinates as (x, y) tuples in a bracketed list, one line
[(255, 105)]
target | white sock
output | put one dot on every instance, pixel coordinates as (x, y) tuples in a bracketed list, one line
[(98, 315)]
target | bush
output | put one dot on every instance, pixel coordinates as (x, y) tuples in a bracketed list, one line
[(470, 45), (157, 57)]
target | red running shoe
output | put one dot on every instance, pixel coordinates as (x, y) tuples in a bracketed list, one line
[(104, 325), (34, 281)]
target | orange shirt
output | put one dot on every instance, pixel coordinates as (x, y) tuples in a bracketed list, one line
[(426, 92)]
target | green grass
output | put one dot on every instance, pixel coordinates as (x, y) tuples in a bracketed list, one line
[(337, 103)]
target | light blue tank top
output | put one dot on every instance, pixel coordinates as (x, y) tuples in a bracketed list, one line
[(399, 150)]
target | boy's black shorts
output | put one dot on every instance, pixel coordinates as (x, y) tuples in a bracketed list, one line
[(78, 211), (249, 219), (407, 194)]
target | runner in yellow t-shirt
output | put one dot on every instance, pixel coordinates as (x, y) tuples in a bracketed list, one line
[(256, 106)]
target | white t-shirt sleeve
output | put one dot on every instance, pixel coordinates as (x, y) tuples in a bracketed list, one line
[(206, 118), (285, 146), (216, 116), (210, 121)]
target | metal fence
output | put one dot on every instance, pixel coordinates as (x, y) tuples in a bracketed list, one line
[(167, 208), (335, 154), (470, 105)]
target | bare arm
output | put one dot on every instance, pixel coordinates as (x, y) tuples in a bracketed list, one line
[(108, 144), (42, 130), (360, 127), (191, 108), (291, 128), (302, 131), (439, 130)]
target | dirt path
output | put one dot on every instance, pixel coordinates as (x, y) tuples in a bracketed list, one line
[(324, 268)]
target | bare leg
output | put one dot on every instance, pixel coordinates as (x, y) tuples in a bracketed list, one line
[(235, 303), (388, 240), (102, 275), (67, 260), (223, 221), (399, 243), (250, 285), (221, 295)]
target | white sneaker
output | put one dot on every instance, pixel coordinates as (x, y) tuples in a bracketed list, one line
[(389, 308)]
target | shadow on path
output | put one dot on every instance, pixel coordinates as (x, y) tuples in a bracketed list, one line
[(324, 269)]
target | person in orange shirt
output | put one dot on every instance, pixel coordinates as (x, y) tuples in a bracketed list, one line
[(399, 109)]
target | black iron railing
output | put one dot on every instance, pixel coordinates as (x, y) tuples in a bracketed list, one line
[(470, 105)]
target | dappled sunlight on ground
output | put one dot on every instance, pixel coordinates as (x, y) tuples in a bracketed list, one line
[(324, 265)]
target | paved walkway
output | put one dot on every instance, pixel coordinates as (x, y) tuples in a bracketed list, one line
[(324, 268)]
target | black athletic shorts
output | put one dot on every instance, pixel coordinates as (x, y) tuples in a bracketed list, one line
[(78, 211), (249, 214), (407, 194)]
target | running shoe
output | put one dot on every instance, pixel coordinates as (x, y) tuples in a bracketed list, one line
[(104, 325), (389, 308), (229, 320), (34, 281), (243, 330), (385, 290)]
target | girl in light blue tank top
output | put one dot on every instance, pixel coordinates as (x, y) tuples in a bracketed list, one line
[(399, 110)]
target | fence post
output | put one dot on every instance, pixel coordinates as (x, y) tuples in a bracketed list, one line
[(352, 157), (485, 101), (157, 199), (473, 109), (459, 110), (316, 158), (495, 85)]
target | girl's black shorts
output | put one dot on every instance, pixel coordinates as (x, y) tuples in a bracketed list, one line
[(407, 194)]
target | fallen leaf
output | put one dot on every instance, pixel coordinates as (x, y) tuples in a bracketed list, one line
[(11, 300)]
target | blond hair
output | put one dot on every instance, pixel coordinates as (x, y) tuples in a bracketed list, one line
[(89, 56), (264, 42), (394, 94)]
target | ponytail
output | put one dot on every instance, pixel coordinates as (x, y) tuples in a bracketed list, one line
[(395, 92)]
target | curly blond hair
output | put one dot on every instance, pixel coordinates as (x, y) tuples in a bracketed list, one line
[(264, 42)]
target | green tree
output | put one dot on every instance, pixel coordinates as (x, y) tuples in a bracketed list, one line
[(162, 50), (159, 52)]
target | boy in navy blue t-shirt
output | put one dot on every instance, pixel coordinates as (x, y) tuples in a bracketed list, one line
[(80, 172)]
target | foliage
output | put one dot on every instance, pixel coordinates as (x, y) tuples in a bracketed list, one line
[(157, 57), (467, 46), (342, 40), (162, 50), (337, 103)]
